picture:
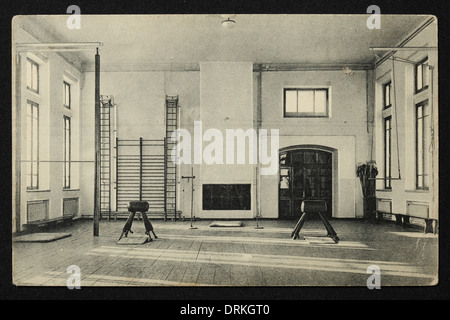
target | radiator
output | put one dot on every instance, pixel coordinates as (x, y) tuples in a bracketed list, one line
[(70, 207), (37, 210), (384, 205), (417, 209)]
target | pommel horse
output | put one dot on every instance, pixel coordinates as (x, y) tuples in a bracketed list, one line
[(142, 207), (314, 206)]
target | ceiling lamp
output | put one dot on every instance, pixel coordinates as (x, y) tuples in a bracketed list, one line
[(228, 23)]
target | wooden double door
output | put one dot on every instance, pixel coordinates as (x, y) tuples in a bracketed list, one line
[(305, 174)]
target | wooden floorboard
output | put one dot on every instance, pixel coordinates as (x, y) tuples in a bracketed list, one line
[(213, 256)]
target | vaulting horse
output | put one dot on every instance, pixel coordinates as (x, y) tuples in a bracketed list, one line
[(142, 207), (314, 207)]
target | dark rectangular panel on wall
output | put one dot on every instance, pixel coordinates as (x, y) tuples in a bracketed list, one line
[(70, 207), (226, 197), (37, 210)]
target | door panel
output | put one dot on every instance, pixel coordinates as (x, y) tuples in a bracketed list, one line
[(304, 174)]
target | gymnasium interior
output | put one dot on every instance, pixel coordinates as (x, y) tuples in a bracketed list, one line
[(209, 150)]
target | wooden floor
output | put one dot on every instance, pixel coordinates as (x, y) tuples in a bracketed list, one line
[(230, 256)]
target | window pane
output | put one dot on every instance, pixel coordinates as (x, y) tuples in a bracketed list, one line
[(320, 101), (291, 101), (306, 101), (420, 146), (34, 167), (67, 171), (425, 71), (419, 77), (387, 95), (35, 77), (34, 183), (419, 182), (35, 139), (66, 94), (29, 76), (29, 180), (28, 135), (387, 153), (387, 150)]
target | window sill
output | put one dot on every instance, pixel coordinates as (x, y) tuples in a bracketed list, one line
[(71, 189), (37, 190), (383, 190), (418, 191)]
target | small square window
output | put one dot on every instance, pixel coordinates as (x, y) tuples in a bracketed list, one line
[(306, 102)]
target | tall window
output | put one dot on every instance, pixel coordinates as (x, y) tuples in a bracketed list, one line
[(422, 75), (306, 102), (32, 145), (67, 96), (67, 152), (422, 122), (32, 75), (387, 152)]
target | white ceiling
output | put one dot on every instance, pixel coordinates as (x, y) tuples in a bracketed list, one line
[(190, 39)]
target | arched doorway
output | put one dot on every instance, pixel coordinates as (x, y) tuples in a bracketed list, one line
[(305, 173)]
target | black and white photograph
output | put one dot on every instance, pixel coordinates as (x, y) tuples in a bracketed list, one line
[(225, 150)]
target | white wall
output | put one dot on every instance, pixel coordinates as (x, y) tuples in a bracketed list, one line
[(226, 101), (345, 130), (140, 103), (404, 190), (53, 70), (222, 96)]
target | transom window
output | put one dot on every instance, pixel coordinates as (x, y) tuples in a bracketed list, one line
[(422, 75), (32, 75), (67, 97), (387, 89), (306, 102)]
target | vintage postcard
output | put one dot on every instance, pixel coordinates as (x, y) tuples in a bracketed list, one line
[(234, 150)]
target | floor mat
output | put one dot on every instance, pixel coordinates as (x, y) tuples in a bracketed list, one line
[(133, 240), (319, 240), (226, 224), (41, 237)]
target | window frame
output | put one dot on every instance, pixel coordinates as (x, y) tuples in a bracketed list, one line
[(387, 85), (67, 175), (33, 63), (424, 65), (387, 155), (34, 177), (307, 114), (67, 85), (422, 154)]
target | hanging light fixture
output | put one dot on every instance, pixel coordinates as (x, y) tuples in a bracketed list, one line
[(228, 23)]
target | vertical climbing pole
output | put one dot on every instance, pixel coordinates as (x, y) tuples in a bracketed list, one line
[(170, 177), (97, 169), (140, 168)]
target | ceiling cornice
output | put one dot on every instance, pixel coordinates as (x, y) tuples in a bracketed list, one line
[(195, 67)]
